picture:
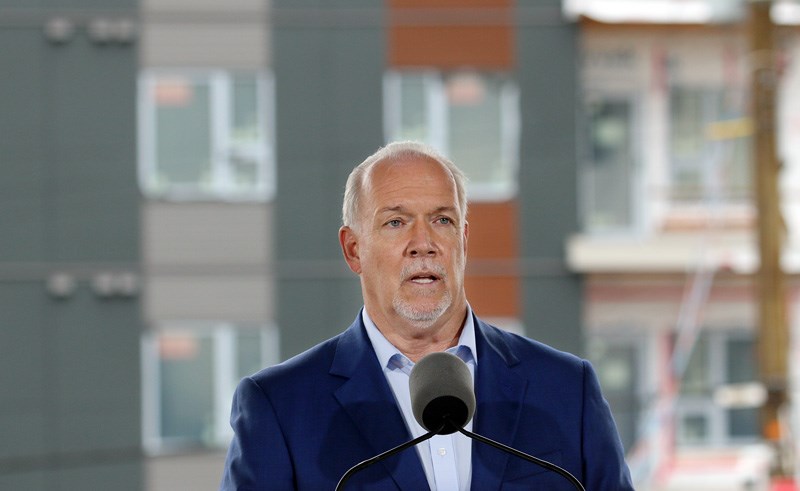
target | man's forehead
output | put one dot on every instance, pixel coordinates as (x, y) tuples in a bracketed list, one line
[(396, 184), (405, 168)]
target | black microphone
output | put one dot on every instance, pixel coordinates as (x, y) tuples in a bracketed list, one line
[(441, 393), (443, 402)]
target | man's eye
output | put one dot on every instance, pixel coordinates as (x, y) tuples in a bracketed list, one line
[(444, 220), (393, 223)]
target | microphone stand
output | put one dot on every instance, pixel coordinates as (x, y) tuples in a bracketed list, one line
[(446, 423), (384, 455), (530, 458)]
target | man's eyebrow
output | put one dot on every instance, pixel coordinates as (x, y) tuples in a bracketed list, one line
[(391, 209), (403, 209)]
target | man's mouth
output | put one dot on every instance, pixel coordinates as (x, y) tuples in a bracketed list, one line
[(423, 274), (423, 279)]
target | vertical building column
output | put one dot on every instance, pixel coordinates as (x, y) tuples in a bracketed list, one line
[(328, 64), (69, 336), (547, 62), (773, 322)]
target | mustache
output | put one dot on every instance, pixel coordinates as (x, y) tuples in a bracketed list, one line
[(414, 269)]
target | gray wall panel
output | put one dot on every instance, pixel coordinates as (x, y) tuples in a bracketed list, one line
[(99, 477), (95, 197), (20, 4), (69, 368), (23, 376), (22, 146), (102, 5), (329, 114), (547, 72), (21, 215), (29, 481), (316, 309), (22, 136), (93, 386)]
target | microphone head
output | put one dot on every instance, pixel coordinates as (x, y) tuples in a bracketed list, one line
[(442, 393)]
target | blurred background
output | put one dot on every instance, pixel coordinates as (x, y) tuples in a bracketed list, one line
[(171, 174)]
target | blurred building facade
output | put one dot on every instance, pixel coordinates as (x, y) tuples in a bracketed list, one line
[(668, 247), (170, 202)]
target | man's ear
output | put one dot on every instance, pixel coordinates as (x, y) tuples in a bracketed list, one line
[(466, 236), (349, 242)]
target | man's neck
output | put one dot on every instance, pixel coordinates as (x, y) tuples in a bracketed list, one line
[(415, 342)]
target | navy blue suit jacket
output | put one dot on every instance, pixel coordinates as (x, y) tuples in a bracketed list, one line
[(301, 424)]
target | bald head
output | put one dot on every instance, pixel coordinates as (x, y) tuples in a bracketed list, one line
[(395, 152)]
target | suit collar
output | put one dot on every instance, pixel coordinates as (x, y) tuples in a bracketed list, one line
[(492, 339), (385, 350), (368, 400)]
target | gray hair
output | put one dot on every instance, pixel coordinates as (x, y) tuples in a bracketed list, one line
[(395, 152)]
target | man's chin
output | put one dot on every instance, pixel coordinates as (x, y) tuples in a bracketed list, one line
[(421, 316)]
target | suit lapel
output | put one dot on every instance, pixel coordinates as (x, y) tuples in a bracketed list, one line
[(500, 393), (368, 400)]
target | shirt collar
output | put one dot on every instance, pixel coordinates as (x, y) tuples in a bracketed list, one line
[(465, 349)]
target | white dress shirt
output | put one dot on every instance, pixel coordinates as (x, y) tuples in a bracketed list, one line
[(446, 459)]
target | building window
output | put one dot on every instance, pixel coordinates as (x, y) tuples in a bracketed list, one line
[(189, 375), (703, 168), (609, 177), (205, 135), (627, 366), (619, 359), (472, 117), (718, 359)]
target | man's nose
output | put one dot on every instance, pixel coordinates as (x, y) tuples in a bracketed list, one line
[(422, 242)]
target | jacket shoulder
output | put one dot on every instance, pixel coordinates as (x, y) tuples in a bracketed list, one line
[(339, 355), (297, 370), (515, 348)]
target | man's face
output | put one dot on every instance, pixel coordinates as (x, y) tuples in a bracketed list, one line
[(409, 246)]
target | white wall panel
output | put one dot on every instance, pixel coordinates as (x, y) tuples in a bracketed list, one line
[(204, 33), (245, 299), (205, 234), (207, 261), (239, 44)]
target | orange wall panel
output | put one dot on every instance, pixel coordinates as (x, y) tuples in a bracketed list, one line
[(493, 230), (486, 47), (492, 282), (492, 296), (452, 4), (451, 34)]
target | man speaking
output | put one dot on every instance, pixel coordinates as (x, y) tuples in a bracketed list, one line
[(303, 423)]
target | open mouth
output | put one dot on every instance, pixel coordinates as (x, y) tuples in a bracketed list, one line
[(423, 278), (423, 274)]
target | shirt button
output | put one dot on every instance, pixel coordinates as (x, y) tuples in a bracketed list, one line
[(442, 452)]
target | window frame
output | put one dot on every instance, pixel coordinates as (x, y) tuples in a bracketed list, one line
[(438, 126), (224, 380), (712, 158), (222, 145), (640, 207), (626, 337), (686, 405)]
